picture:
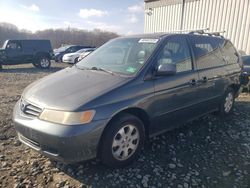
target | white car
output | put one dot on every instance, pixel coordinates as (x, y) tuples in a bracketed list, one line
[(85, 53), (72, 58)]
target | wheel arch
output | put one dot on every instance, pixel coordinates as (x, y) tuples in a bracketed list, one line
[(235, 88), (42, 54), (138, 112)]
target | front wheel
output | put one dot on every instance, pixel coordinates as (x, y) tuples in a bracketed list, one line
[(227, 103), (44, 62), (122, 141), (76, 60), (36, 65)]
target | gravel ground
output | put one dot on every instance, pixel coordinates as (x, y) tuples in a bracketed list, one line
[(208, 152)]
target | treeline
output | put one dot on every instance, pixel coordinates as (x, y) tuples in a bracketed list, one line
[(57, 37)]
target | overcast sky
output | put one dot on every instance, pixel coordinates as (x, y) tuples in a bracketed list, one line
[(121, 16)]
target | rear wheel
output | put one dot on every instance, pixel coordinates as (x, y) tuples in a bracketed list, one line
[(122, 141), (227, 103), (44, 62)]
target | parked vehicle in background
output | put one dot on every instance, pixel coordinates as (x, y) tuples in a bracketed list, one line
[(246, 68), (37, 52), (73, 57), (86, 52), (60, 52), (127, 90)]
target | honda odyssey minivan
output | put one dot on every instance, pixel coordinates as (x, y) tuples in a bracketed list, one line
[(129, 89)]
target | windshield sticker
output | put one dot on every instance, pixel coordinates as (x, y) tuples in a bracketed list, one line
[(148, 41), (131, 69)]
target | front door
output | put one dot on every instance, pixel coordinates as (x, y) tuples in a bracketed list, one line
[(13, 52), (175, 95)]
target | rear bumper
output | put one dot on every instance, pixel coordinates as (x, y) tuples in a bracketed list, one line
[(68, 144)]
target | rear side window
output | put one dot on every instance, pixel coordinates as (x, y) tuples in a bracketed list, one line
[(229, 53), (207, 51)]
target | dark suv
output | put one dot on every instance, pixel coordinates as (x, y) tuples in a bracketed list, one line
[(37, 52), (129, 89)]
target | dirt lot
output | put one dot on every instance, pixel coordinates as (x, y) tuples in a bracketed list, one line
[(208, 152)]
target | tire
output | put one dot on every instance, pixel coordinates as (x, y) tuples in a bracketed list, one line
[(227, 103), (76, 60), (43, 62), (119, 153), (36, 65)]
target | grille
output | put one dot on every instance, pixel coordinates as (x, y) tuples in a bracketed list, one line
[(30, 109)]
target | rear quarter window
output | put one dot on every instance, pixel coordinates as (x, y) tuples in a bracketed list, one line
[(229, 53)]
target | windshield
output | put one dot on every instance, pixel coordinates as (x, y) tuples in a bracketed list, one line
[(123, 55), (61, 49), (81, 51)]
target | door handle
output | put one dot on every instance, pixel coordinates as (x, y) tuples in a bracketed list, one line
[(192, 82)]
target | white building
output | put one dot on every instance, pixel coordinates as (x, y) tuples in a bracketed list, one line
[(232, 16)]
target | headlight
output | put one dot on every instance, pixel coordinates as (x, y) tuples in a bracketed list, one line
[(67, 118)]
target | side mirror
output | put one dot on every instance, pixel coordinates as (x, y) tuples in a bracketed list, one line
[(166, 69)]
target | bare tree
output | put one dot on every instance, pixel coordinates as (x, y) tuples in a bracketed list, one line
[(57, 37)]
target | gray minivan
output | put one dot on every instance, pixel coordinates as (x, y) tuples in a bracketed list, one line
[(129, 89)]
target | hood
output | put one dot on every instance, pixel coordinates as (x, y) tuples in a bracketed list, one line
[(71, 88)]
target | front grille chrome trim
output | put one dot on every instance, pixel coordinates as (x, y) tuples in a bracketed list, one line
[(30, 110)]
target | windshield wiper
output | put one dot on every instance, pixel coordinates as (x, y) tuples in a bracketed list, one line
[(101, 69)]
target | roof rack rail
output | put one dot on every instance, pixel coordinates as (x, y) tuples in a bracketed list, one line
[(190, 30), (215, 33)]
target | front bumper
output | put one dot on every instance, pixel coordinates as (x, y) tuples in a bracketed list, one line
[(68, 60), (58, 58), (68, 144)]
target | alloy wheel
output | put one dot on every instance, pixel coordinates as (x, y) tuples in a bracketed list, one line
[(228, 102), (44, 63), (125, 142)]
